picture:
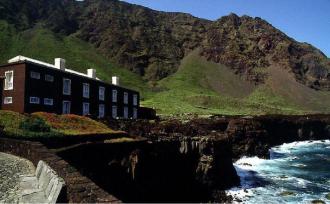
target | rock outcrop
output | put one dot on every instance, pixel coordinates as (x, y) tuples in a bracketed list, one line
[(169, 169), (248, 136)]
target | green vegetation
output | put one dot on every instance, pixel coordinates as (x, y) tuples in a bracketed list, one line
[(198, 86), (43, 125), (74, 124), (44, 45), (34, 124), (204, 87)]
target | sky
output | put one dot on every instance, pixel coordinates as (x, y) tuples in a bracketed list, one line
[(304, 20)]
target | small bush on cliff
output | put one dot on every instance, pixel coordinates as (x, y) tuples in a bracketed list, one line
[(74, 124), (46, 125), (35, 124)]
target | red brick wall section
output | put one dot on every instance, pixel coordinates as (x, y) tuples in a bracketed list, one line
[(18, 92), (79, 189)]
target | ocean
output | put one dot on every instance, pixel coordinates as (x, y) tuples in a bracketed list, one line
[(295, 173)]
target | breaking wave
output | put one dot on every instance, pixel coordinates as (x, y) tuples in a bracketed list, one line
[(297, 172)]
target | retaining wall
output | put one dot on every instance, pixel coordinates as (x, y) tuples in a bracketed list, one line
[(79, 189)]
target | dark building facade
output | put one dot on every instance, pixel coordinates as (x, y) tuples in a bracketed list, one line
[(32, 86)]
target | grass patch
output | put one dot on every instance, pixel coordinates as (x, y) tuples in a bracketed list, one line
[(203, 87), (41, 125), (74, 124)]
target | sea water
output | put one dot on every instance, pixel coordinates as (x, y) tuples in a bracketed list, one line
[(295, 173)]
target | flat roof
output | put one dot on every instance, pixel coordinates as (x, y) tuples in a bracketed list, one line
[(22, 60)]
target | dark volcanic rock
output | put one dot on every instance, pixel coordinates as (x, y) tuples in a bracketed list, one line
[(172, 169), (248, 136)]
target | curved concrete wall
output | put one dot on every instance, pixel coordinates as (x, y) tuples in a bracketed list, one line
[(79, 189)]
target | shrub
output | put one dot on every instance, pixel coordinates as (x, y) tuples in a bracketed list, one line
[(35, 124)]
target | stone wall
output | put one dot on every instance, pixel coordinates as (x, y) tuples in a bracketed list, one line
[(79, 189)]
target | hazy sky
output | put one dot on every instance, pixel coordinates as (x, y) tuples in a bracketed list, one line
[(304, 20)]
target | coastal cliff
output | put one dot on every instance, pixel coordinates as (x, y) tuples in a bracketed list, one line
[(171, 169), (174, 160), (248, 136)]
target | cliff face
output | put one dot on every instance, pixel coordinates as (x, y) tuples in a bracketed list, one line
[(254, 137), (152, 43), (167, 170), (247, 136)]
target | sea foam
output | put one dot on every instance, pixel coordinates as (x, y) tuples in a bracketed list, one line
[(296, 173)]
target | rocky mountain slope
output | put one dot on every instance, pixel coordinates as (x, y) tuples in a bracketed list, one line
[(153, 45)]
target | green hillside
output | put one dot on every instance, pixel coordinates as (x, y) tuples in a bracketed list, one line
[(44, 45), (205, 87), (199, 86)]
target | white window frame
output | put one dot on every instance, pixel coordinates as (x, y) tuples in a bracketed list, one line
[(49, 78), (8, 100), (101, 110), (126, 112), (48, 101), (34, 100), (114, 96), (101, 93), (135, 100), (114, 112), (85, 109), (125, 98), (85, 90), (135, 113), (11, 83), (69, 107), (34, 75), (68, 91)]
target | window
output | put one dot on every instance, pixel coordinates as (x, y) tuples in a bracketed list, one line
[(114, 95), (66, 107), (9, 81), (35, 75), (8, 100), (86, 90), (135, 100), (125, 112), (125, 98), (34, 100), (66, 86), (101, 111), (48, 101), (101, 93), (134, 113), (49, 78), (114, 111), (85, 108)]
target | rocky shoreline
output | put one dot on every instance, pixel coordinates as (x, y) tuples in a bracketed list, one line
[(248, 135), (221, 140), (180, 160)]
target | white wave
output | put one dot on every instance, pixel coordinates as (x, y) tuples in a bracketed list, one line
[(277, 170), (299, 165), (289, 147), (249, 162)]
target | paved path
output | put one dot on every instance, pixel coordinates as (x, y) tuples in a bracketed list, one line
[(11, 168)]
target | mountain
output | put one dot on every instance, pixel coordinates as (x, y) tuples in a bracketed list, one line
[(180, 63)]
